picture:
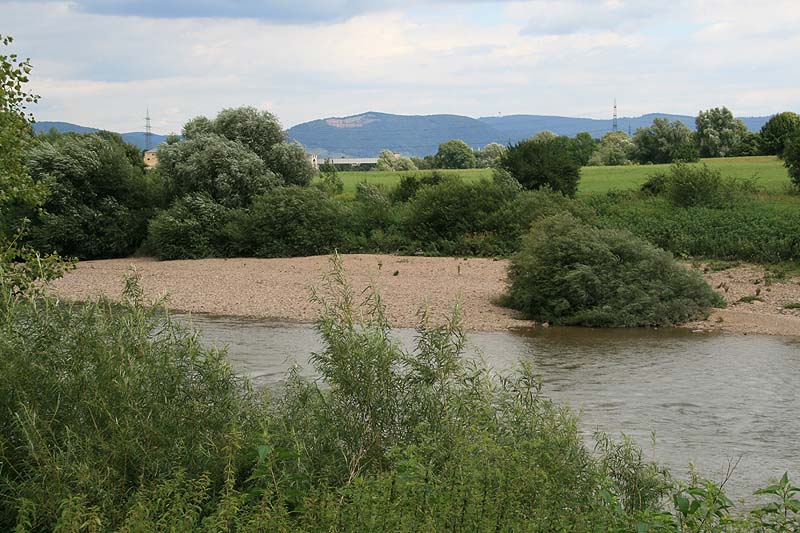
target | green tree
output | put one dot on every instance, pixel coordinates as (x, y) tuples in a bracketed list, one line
[(291, 163), (258, 130), (583, 147), (778, 131), (100, 197), (664, 142), (455, 154), (791, 158), (196, 127), (615, 148), (388, 160), (718, 133), (21, 268), (546, 162), (16, 186), (489, 155), (226, 170)]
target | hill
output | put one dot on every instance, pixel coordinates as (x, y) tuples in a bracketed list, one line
[(136, 138), (366, 134)]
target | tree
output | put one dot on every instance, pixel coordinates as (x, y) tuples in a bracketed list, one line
[(22, 269), (455, 154), (490, 155), (547, 162), (226, 170), (258, 130), (196, 127), (791, 158), (99, 196), (615, 148), (664, 142), (291, 163), (16, 185), (389, 161), (583, 147), (778, 131), (718, 134)]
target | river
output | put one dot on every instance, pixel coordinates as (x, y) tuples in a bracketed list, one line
[(710, 398)]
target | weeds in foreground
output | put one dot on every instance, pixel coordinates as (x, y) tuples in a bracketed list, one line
[(116, 418)]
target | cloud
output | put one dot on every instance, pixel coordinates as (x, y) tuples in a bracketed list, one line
[(464, 58), (282, 11)]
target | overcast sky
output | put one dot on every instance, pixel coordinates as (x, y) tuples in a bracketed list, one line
[(102, 63)]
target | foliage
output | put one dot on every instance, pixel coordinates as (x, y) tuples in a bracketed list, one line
[(791, 159), (411, 183), (257, 130), (118, 402), (758, 230), (718, 133), (329, 180), (615, 148), (698, 186), (573, 274), (455, 154), (100, 197), (664, 142), (388, 160), (489, 156), (543, 162), (778, 131), (291, 221), (454, 216), (225, 170), (290, 163), (190, 229), (583, 147), (16, 187)]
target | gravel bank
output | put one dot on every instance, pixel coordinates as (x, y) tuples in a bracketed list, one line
[(280, 289)]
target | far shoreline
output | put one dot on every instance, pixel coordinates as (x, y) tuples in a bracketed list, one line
[(279, 289)]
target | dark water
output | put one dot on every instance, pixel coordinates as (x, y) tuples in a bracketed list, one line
[(709, 398)]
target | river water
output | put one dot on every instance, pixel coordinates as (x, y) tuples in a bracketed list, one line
[(710, 398)]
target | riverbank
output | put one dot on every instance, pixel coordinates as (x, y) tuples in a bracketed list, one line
[(280, 289)]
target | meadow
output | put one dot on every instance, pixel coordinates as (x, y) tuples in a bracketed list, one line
[(769, 172)]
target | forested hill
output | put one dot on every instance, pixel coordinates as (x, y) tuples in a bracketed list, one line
[(136, 137), (367, 134)]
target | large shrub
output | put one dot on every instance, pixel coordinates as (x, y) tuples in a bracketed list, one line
[(778, 131), (791, 158), (290, 162), (292, 221), (543, 162), (573, 274), (455, 216), (100, 197), (225, 170), (190, 229), (698, 186)]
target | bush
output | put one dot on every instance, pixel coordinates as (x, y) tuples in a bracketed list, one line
[(411, 183), (698, 186), (543, 162), (573, 274), (119, 401), (190, 229), (791, 158), (292, 221), (455, 217)]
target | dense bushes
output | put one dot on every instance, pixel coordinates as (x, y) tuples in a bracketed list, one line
[(543, 161), (291, 221), (190, 229), (124, 422), (99, 196), (574, 274)]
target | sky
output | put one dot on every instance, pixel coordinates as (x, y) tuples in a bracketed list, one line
[(104, 63)]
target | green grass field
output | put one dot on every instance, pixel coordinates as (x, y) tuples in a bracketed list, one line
[(769, 170)]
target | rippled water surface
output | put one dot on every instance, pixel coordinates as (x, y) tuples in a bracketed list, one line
[(709, 398)]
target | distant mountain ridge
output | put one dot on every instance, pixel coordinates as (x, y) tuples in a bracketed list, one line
[(366, 134), (137, 138)]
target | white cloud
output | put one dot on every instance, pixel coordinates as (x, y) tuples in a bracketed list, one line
[(474, 59)]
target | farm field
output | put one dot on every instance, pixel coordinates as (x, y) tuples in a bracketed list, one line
[(769, 171)]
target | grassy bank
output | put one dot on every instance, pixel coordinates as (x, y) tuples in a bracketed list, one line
[(769, 170)]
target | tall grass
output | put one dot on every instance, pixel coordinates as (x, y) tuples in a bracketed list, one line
[(115, 418)]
